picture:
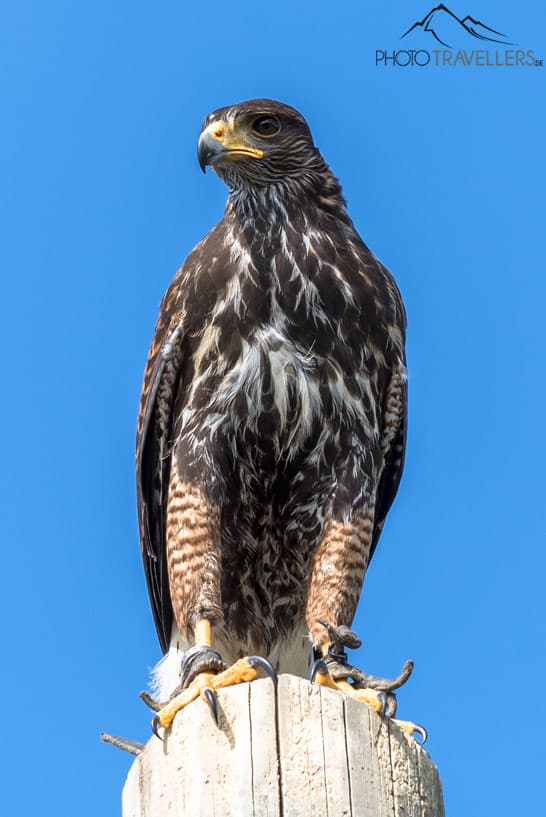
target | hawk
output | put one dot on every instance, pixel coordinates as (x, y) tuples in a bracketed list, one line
[(272, 424)]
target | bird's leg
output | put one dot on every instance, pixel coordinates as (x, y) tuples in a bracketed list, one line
[(336, 577), (203, 672), (199, 664), (335, 581), (333, 670), (194, 558)]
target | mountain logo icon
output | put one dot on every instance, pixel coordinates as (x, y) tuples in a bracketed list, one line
[(450, 30)]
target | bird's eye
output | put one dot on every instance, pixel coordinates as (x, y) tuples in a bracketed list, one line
[(266, 126)]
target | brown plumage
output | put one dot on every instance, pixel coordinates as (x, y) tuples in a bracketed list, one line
[(272, 424)]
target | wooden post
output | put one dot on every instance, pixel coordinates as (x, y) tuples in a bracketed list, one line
[(302, 751)]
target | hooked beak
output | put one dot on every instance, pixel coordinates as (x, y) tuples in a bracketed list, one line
[(217, 144), (209, 150)]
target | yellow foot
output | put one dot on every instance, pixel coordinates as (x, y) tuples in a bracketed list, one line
[(205, 684), (321, 676), (412, 729), (376, 699)]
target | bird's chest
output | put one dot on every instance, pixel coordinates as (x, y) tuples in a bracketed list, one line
[(274, 385), (277, 358), (272, 388)]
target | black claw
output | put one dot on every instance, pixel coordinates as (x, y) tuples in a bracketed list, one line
[(156, 726), (423, 732), (199, 659), (318, 666), (210, 697), (383, 698), (265, 665)]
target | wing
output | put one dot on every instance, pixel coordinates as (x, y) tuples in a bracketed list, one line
[(189, 299), (154, 429), (391, 322), (393, 443)]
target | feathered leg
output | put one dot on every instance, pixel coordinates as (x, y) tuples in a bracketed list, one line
[(194, 564), (335, 583)]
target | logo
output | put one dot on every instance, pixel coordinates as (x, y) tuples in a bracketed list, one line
[(443, 25), (441, 39)]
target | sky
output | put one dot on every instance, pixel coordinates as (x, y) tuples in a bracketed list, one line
[(101, 199)]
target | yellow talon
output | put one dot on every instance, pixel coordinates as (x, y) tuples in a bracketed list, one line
[(242, 671), (376, 699), (324, 679), (195, 689), (411, 728), (238, 673), (368, 696)]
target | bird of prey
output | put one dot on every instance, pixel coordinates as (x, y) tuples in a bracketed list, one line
[(272, 424)]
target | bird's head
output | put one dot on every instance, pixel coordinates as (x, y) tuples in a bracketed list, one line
[(258, 143)]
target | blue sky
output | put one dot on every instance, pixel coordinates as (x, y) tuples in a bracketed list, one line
[(102, 198)]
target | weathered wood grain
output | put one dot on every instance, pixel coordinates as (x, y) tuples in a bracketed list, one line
[(299, 751)]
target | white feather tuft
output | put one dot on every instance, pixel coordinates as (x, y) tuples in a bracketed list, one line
[(165, 676), (292, 654)]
